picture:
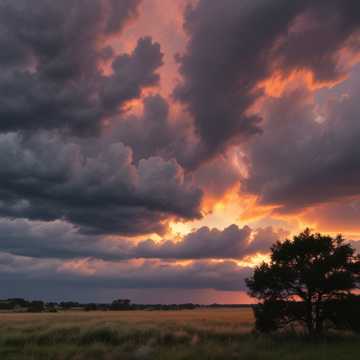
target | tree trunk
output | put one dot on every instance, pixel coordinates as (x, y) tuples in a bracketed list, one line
[(309, 318), (319, 327), (318, 316)]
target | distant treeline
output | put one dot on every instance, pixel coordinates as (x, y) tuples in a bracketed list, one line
[(22, 305)]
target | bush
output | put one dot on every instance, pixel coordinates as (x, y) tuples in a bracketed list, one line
[(345, 314), (100, 335), (36, 306)]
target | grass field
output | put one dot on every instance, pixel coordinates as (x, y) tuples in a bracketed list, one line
[(173, 335)]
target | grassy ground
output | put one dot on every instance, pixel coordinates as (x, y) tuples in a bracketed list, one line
[(186, 335)]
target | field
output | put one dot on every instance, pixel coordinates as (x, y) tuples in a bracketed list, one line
[(171, 335)]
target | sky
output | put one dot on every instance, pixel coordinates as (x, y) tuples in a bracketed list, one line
[(155, 150)]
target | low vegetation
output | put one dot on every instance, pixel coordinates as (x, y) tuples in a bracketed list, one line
[(19, 305), (174, 335)]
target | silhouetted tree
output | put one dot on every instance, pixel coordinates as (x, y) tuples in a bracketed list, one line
[(304, 279)]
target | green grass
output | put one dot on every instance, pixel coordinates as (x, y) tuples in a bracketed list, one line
[(202, 334)]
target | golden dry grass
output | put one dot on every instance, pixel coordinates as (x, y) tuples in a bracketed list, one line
[(229, 317), (213, 334)]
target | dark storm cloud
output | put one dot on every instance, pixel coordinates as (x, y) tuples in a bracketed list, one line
[(231, 243), (61, 240), (51, 80), (156, 132), (37, 239), (119, 12), (298, 161), (149, 134), (97, 187), (60, 35), (24, 272), (316, 36), (50, 54), (234, 45)]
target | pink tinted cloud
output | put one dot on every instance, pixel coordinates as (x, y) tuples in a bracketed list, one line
[(164, 23)]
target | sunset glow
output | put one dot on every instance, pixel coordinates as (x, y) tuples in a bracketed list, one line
[(168, 144)]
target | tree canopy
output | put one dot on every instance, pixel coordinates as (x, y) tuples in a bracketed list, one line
[(308, 281)]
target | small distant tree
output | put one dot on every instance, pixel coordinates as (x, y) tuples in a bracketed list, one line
[(308, 281), (36, 306), (91, 307), (121, 304)]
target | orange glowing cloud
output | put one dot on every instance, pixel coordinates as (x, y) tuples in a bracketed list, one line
[(278, 82), (252, 211), (340, 216)]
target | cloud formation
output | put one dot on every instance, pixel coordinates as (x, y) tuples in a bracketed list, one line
[(61, 240), (235, 45), (97, 188), (153, 132), (51, 76), (264, 111), (231, 243), (307, 155), (95, 274), (340, 215)]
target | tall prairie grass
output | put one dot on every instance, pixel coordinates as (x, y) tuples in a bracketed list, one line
[(174, 335)]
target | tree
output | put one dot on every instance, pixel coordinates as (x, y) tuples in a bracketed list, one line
[(303, 279), (36, 306), (121, 304)]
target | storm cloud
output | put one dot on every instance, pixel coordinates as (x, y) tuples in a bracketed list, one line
[(51, 76), (231, 243), (153, 132), (307, 154), (59, 239), (104, 156), (235, 45), (95, 274), (98, 188)]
